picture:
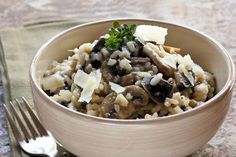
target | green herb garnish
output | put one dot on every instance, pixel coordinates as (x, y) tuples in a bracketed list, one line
[(119, 35)]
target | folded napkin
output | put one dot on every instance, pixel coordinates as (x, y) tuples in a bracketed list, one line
[(17, 48)]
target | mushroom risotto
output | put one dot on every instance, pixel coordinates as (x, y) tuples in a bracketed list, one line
[(129, 73)]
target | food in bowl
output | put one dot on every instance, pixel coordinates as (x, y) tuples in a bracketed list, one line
[(87, 136), (129, 73)]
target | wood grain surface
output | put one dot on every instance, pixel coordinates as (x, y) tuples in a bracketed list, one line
[(213, 17)]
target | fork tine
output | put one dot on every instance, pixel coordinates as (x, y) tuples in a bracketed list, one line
[(22, 126), (37, 123), (29, 124), (14, 128)]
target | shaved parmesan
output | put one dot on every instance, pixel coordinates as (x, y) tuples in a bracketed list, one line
[(81, 78), (91, 82), (116, 88), (86, 94), (98, 76), (151, 33)]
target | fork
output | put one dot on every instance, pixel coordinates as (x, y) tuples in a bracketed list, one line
[(32, 137)]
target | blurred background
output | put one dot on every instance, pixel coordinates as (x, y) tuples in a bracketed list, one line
[(213, 17), (200, 14)]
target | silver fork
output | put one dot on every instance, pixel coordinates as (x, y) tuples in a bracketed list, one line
[(30, 134)]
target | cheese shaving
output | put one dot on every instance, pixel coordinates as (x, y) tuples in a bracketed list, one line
[(116, 88), (81, 78), (87, 92), (151, 33), (89, 83)]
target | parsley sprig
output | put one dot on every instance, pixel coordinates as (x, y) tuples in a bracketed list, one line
[(119, 35)]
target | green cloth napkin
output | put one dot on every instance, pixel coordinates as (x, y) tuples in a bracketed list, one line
[(17, 48)]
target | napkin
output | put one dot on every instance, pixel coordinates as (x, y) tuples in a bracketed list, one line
[(17, 48)]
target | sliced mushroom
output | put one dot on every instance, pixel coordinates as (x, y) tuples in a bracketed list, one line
[(160, 91), (117, 70), (139, 41), (140, 97), (127, 79), (153, 55), (108, 103), (108, 73), (126, 112), (96, 64), (107, 89), (193, 103), (96, 59), (108, 108), (135, 47), (99, 45), (187, 92), (139, 60), (181, 81)]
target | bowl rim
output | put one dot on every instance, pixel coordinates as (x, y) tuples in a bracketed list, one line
[(227, 88)]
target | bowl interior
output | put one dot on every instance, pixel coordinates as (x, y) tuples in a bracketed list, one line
[(203, 50)]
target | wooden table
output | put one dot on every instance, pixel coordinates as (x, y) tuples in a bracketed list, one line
[(214, 17)]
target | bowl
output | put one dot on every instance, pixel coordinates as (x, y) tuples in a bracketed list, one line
[(173, 136)]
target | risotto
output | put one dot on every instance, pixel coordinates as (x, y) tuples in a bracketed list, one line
[(128, 73)]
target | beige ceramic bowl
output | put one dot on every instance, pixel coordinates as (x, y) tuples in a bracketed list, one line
[(173, 136)]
